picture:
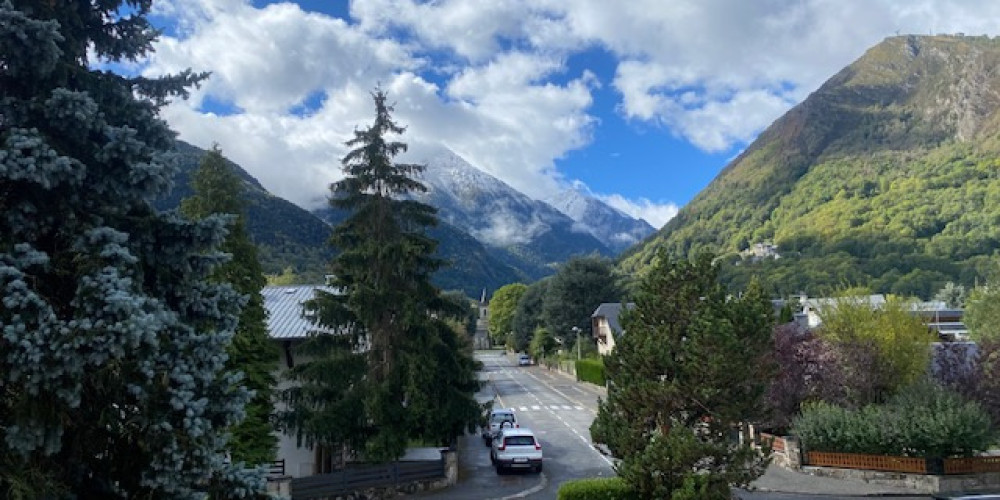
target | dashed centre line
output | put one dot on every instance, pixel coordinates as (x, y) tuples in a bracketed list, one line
[(552, 408)]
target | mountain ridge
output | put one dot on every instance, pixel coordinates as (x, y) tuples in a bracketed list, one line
[(863, 173)]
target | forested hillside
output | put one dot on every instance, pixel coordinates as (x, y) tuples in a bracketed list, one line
[(887, 177)]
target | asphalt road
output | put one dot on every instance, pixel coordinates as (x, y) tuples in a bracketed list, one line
[(557, 409)]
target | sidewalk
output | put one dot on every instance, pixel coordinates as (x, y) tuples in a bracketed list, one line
[(779, 479)]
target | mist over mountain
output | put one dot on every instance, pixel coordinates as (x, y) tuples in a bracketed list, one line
[(499, 216), (289, 236), (616, 229), (887, 176)]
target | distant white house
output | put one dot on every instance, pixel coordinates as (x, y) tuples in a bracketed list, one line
[(605, 327), (761, 250), (809, 317), (944, 320), (288, 325)]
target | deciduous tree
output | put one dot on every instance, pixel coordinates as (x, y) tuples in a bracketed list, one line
[(528, 314), (882, 348), (982, 312), (503, 304), (113, 381)]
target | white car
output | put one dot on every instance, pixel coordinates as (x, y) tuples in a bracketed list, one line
[(516, 448), (499, 418), (523, 360)]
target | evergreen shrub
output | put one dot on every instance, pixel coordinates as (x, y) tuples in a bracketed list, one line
[(925, 420), (590, 370), (604, 488)]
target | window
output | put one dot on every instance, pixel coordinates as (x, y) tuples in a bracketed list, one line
[(503, 417), (519, 441)]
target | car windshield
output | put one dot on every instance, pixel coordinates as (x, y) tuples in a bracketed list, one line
[(503, 417), (519, 441)]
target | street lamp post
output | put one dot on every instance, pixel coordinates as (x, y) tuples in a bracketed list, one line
[(576, 330)]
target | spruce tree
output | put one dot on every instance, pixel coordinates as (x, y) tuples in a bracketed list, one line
[(113, 346), (383, 366), (218, 190), (690, 367)]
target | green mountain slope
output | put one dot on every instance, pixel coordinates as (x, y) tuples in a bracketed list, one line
[(887, 176), (287, 235)]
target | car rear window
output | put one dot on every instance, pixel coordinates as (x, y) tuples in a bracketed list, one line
[(519, 441), (503, 417)]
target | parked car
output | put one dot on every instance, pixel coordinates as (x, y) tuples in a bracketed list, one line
[(523, 360), (968, 496), (516, 448), (498, 419)]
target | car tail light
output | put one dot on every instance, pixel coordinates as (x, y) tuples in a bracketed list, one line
[(502, 446), (538, 446), (517, 425)]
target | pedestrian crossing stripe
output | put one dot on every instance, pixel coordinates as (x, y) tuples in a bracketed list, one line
[(550, 407)]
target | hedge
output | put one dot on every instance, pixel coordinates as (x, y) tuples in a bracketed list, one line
[(590, 370), (923, 421), (603, 488)]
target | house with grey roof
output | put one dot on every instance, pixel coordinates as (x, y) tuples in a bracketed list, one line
[(605, 327), (289, 324)]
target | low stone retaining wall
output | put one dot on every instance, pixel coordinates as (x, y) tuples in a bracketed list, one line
[(921, 483)]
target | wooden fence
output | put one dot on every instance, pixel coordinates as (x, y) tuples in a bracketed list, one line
[(912, 465), (867, 462), (357, 478), (971, 465)]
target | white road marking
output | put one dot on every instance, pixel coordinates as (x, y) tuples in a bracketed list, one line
[(536, 407), (572, 429), (544, 480)]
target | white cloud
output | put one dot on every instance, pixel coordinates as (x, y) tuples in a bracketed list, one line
[(655, 213), (501, 114), (491, 80), (504, 231)]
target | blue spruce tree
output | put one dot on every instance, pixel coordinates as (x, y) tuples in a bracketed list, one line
[(112, 339)]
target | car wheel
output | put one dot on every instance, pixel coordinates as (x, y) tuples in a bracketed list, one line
[(499, 470), (538, 468)]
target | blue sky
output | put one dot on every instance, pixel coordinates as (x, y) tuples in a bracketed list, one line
[(641, 102)]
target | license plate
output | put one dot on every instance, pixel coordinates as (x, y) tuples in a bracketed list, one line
[(520, 460)]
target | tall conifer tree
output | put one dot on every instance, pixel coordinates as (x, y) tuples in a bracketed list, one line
[(384, 365), (112, 339), (690, 367), (218, 190)]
